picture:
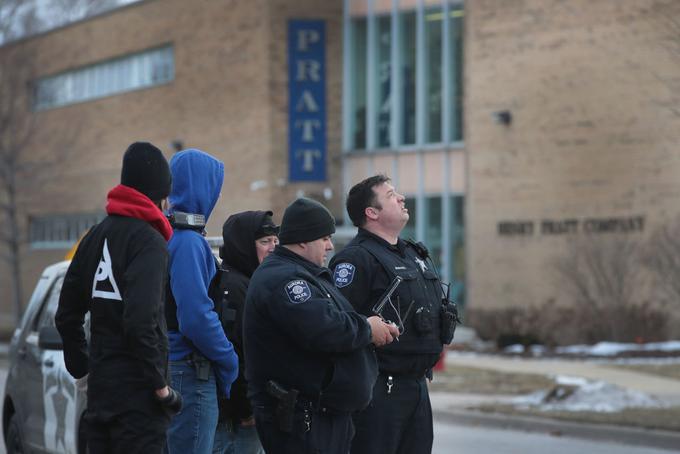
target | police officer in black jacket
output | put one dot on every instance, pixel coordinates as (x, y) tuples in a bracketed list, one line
[(119, 274), (310, 360), (399, 419)]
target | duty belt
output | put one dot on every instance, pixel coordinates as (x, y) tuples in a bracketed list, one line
[(405, 375)]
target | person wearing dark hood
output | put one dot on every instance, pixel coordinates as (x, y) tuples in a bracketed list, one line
[(248, 238), (310, 360), (119, 274), (203, 363)]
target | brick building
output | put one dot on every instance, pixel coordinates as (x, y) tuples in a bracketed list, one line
[(543, 121)]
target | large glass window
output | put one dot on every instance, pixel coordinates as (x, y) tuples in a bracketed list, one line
[(433, 238), (456, 73), (408, 78), (131, 72), (60, 231), (358, 64), (384, 80), (428, 64), (433, 75)]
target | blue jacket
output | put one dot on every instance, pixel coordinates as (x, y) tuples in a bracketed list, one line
[(196, 183)]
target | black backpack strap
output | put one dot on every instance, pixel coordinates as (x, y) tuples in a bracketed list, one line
[(420, 248)]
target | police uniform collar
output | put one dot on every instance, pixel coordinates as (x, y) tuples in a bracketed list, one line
[(399, 248), (309, 266)]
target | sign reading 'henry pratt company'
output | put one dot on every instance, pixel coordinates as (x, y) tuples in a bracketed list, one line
[(306, 100)]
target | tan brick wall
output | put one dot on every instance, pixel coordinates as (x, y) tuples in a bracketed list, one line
[(229, 98), (593, 89)]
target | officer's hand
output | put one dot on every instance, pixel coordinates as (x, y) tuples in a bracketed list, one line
[(172, 402), (381, 332), (394, 331)]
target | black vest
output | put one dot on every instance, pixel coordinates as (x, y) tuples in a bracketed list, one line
[(417, 300)]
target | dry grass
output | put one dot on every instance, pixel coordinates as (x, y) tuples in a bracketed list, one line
[(483, 381)]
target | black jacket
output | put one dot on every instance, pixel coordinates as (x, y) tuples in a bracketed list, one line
[(365, 268), (302, 333), (239, 261), (118, 274)]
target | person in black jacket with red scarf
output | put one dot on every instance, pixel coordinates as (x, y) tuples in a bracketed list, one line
[(118, 274), (248, 238)]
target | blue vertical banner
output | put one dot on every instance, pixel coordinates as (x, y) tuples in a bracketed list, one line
[(306, 100)]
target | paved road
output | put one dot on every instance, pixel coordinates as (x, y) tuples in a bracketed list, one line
[(453, 439)]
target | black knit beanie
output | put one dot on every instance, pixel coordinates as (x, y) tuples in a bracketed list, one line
[(146, 170), (305, 220), (268, 227)]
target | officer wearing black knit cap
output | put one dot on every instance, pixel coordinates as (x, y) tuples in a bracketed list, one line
[(118, 274), (310, 358)]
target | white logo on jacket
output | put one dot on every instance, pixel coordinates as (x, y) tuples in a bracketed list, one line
[(105, 273)]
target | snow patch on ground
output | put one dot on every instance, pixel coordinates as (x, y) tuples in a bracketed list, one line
[(579, 394), (615, 348)]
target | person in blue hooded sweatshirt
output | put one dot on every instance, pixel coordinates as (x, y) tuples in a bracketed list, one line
[(203, 363)]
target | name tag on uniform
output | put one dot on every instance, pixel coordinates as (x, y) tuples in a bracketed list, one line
[(298, 291), (343, 274)]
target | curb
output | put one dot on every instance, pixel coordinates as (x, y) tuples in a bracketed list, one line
[(626, 435)]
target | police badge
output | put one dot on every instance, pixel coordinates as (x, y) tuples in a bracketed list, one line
[(298, 291), (343, 274)]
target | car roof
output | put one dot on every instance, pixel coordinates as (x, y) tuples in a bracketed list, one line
[(57, 268)]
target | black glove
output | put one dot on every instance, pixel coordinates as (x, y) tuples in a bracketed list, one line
[(172, 403)]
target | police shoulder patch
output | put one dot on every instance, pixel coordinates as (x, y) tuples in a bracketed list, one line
[(298, 291), (343, 274)]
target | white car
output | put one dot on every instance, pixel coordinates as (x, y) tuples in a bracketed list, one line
[(42, 408)]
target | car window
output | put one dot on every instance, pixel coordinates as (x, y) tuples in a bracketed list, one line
[(49, 307)]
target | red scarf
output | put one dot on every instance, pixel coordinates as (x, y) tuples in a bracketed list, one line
[(126, 201)]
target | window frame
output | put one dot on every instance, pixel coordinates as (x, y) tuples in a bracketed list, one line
[(111, 77)]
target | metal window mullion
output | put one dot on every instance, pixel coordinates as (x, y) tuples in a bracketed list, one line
[(447, 255), (454, 84), (421, 208), (395, 77), (371, 78), (420, 120), (446, 73), (347, 107), (345, 189), (347, 81), (420, 74)]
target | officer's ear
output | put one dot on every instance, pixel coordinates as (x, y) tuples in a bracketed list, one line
[(371, 213)]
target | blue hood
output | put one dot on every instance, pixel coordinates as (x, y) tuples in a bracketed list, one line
[(196, 182)]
